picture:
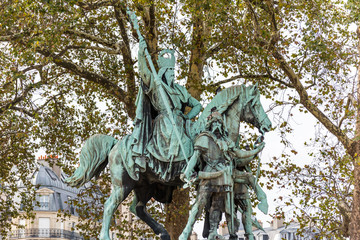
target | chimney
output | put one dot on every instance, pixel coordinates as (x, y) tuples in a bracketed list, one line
[(50, 161), (56, 169), (193, 236), (278, 222), (223, 229)]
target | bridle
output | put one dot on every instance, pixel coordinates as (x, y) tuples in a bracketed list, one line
[(250, 103)]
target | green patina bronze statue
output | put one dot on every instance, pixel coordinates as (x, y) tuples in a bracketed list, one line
[(218, 159), (150, 160), (169, 142)]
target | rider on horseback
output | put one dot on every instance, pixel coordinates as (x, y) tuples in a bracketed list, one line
[(155, 135)]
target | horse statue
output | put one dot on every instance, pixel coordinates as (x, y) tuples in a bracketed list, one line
[(235, 104)]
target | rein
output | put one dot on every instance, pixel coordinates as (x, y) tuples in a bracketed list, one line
[(252, 101)]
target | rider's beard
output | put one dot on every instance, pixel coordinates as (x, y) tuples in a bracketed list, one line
[(217, 129), (170, 81), (170, 77)]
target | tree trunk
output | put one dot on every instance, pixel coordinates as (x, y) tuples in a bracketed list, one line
[(177, 213), (194, 82), (355, 213)]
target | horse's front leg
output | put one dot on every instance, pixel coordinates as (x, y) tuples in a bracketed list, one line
[(246, 219), (138, 207), (111, 204), (195, 213), (118, 195)]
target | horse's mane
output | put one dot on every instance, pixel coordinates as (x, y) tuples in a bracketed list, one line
[(222, 102)]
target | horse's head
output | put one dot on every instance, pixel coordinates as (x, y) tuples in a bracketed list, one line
[(253, 112), (236, 104)]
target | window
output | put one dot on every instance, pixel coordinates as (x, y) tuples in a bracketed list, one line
[(44, 227), (44, 202), (265, 237), (59, 200), (22, 230), (70, 205)]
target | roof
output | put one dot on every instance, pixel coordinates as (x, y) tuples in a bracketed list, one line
[(58, 191), (46, 177)]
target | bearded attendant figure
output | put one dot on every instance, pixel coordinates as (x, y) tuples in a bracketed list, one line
[(155, 136), (214, 152)]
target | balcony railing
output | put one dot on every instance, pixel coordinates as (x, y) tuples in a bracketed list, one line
[(45, 233)]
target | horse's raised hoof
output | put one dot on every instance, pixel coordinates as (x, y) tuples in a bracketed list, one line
[(165, 237), (182, 237), (104, 236), (215, 236)]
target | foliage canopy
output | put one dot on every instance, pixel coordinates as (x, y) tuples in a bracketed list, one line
[(68, 71)]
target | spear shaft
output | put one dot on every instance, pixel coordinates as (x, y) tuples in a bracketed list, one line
[(134, 21)]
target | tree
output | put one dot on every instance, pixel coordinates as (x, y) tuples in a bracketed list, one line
[(310, 44), (60, 61), (76, 58)]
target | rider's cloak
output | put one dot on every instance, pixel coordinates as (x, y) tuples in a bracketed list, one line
[(153, 140)]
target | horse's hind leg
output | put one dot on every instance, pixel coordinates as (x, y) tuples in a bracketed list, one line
[(195, 213), (138, 207), (118, 195), (246, 218)]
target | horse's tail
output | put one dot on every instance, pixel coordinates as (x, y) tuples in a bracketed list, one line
[(93, 159)]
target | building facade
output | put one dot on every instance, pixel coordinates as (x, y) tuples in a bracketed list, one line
[(277, 231), (52, 198)]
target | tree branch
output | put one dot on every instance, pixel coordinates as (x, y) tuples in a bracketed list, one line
[(12, 37), (20, 98), (49, 100), (250, 76), (111, 87), (274, 78), (254, 17), (23, 110), (34, 67), (214, 49), (346, 112), (94, 38), (107, 50), (305, 100), (95, 5), (120, 15)]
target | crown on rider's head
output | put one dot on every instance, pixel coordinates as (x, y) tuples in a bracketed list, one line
[(166, 62)]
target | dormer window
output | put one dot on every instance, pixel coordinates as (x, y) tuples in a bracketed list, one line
[(71, 206), (44, 202)]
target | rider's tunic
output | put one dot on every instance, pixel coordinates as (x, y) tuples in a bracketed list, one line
[(215, 158), (164, 144), (154, 143)]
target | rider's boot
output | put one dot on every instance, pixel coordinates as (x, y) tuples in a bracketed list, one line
[(233, 237), (249, 236), (215, 217)]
